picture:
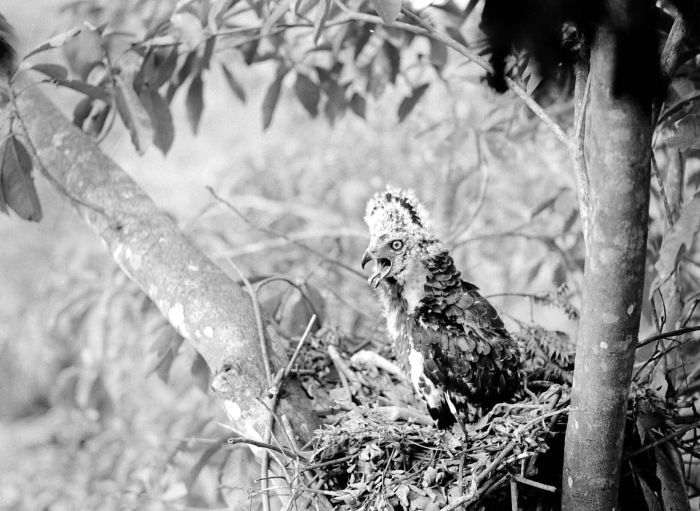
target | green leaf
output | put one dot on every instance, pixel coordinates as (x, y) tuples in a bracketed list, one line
[(302, 7), (202, 462), (55, 42), (18, 190), (84, 52), (187, 68), (678, 238), (82, 111), (322, 13), (277, 14), (194, 102), (233, 83), (669, 470), (99, 399), (410, 102), (394, 58), (358, 105), (686, 133), (272, 96), (308, 92), (217, 13), (133, 114), (388, 10), (200, 372), (544, 205), (161, 119), (165, 346), (337, 103), (157, 68), (296, 309), (163, 69), (63, 391), (52, 71), (189, 26), (438, 54), (96, 121), (87, 89)]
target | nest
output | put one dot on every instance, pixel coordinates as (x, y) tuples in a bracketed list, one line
[(380, 451)]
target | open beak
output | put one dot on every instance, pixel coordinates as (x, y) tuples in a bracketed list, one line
[(382, 267)]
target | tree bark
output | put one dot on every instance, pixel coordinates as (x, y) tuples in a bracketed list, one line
[(617, 153), (199, 300)]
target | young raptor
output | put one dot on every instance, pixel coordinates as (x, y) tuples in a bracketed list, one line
[(447, 337)]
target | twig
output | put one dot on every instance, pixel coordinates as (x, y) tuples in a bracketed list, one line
[(298, 287), (341, 368), (463, 501), (666, 335), (289, 239), (284, 236), (304, 336), (666, 438), (266, 445), (524, 480), (265, 461), (662, 190), (258, 321), (513, 495)]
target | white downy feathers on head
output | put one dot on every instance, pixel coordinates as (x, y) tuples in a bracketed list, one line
[(393, 211)]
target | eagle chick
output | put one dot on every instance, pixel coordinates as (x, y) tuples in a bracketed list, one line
[(447, 337)]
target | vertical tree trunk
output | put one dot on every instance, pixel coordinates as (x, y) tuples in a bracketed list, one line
[(617, 150)]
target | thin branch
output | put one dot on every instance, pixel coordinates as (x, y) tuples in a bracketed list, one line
[(284, 236), (663, 439), (529, 482), (666, 335), (677, 107), (265, 460), (265, 445), (290, 239), (662, 190), (304, 336), (258, 321)]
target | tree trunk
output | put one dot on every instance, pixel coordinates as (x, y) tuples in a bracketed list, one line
[(199, 300), (617, 151)]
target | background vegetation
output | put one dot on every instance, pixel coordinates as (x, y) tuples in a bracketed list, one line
[(104, 407)]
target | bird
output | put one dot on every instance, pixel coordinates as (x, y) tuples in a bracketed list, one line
[(448, 339)]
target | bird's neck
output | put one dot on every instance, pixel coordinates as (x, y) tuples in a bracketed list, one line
[(423, 282), (412, 285)]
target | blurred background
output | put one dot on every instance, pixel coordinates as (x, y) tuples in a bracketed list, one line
[(102, 407)]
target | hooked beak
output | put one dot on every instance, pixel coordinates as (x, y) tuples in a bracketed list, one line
[(382, 267), (366, 257)]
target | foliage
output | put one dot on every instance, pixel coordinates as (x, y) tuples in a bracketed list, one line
[(330, 59)]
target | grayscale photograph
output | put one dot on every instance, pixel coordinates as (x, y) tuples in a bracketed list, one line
[(354, 255)]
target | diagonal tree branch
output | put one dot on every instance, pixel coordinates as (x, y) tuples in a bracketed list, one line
[(206, 307)]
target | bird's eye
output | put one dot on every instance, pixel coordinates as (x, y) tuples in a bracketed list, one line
[(396, 245)]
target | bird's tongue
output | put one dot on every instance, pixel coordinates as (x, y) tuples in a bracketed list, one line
[(382, 267)]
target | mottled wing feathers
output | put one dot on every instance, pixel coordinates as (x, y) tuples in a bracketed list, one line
[(460, 335)]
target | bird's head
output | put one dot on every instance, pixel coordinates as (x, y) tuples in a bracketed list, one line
[(399, 235)]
